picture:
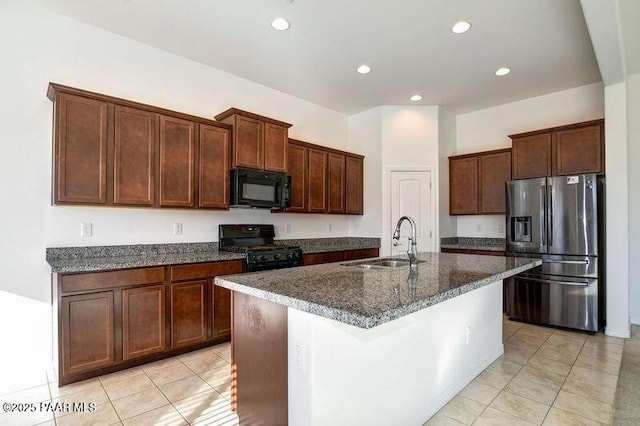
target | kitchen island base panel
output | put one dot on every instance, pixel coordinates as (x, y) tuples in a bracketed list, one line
[(311, 370), (401, 372)]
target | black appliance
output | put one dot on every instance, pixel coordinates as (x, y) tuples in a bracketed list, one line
[(256, 241), (259, 189)]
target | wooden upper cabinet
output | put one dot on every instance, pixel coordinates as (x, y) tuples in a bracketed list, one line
[(258, 142), (317, 190), (213, 167), (134, 156), (477, 182), (579, 150), (177, 149), (354, 188), (275, 147), (87, 332), (463, 185), (494, 171), (80, 151), (336, 175), (564, 150), (531, 156), (298, 170), (143, 321)]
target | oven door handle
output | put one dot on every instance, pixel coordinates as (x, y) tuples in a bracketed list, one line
[(546, 281)]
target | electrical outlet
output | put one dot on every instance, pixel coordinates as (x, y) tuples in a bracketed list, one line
[(177, 228), (468, 335), (298, 357), (86, 229), (478, 228), (329, 227), (500, 229), (287, 228)]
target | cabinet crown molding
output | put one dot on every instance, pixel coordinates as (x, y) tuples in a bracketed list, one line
[(236, 111), (597, 122)]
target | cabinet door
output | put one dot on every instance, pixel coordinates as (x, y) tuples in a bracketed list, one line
[(463, 186), (297, 164), (578, 151), (318, 258), (531, 156), (221, 311), (177, 149), (275, 147), (248, 147), (188, 312), (87, 332), (213, 176), (336, 183), (134, 156), (317, 181), (361, 254), (354, 185), (80, 174), (495, 171), (143, 321)]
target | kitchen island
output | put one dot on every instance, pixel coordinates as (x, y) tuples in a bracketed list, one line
[(347, 343)]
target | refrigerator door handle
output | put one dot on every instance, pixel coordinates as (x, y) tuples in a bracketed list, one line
[(541, 280), (569, 262), (543, 216), (550, 215)]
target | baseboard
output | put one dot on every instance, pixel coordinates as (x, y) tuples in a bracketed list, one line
[(615, 332), (428, 411)]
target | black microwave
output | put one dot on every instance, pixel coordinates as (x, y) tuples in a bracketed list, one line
[(254, 188)]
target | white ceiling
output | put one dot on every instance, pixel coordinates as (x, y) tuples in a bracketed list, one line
[(408, 44)]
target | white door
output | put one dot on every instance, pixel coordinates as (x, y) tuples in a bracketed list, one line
[(411, 196)]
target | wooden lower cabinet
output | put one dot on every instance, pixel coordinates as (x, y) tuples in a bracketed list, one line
[(112, 320), (361, 254), (86, 326), (468, 251), (189, 306), (143, 321), (221, 311), (339, 256)]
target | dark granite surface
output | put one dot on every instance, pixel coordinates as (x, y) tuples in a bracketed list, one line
[(369, 297), (473, 243), (104, 258)]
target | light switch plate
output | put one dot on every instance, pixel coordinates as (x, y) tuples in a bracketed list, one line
[(86, 229)]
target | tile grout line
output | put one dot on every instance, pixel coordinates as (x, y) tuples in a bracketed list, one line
[(165, 396)]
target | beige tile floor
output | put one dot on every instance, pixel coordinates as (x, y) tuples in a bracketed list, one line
[(189, 389), (545, 376)]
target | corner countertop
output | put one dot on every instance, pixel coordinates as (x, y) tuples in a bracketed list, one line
[(107, 258), (367, 298), (473, 243)]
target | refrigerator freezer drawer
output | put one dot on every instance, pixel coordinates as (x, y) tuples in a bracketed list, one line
[(561, 301)]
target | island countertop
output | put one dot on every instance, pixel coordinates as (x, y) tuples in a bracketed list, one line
[(366, 298)]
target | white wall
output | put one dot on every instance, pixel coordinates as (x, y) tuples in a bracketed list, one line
[(633, 134), (39, 47), (409, 139), (446, 147), (490, 129)]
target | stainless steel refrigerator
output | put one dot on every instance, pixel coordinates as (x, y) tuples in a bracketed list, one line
[(557, 218)]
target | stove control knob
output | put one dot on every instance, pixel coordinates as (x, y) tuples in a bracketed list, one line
[(276, 256), (259, 257)]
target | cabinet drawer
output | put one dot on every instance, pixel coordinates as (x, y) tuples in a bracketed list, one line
[(205, 270), (111, 279), (317, 258)]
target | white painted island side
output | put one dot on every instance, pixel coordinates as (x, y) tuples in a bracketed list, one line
[(399, 373)]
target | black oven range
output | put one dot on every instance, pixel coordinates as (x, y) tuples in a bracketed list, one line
[(256, 241)]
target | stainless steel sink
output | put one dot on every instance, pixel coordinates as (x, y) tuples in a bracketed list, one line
[(382, 263)]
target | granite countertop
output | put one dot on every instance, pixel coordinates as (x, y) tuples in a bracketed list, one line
[(473, 243), (369, 297), (105, 258)]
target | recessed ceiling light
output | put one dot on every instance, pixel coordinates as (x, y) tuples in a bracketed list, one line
[(461, 27), (280, 24), (503, 71), (364, 69), (416, 98)]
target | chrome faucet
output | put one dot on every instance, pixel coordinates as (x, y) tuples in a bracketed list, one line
[(412, 250)]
